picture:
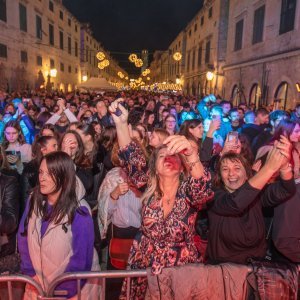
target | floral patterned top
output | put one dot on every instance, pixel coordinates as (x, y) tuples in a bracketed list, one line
[(164, 242)]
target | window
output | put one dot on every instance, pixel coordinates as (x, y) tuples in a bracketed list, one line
[(69, 69), (69, 22), (69, 45), (207, 52), (258, 26), (287, 17), (62, 67), (24, 58), (195, 27), (255, 95), (51, 6), (282, 95), (23, 17), (188, 62), (51, 35), (210, 12), (39, 30), (76, 29), (39, 61), (3, 16), (52, 64), (190, 33), (202, 21), (76, 70), (61, 40), (239, 26), (76, 49), (61, 15), (193, 59), (3, 51), (199, 56), (87, 54)]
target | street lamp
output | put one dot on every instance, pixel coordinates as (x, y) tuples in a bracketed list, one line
[(210, 76), (84, 78), (52, 73)]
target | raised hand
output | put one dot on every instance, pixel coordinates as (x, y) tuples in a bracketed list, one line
[(123, 117), (179, 144)]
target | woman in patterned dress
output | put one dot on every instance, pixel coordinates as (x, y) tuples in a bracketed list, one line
[(170, 205)]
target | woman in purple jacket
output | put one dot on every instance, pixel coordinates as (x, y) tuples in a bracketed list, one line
[(56, 233)]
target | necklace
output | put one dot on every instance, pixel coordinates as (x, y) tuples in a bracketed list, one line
[(168, 201)]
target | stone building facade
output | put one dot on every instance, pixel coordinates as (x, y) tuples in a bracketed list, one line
[(263, 54), (40, 46)]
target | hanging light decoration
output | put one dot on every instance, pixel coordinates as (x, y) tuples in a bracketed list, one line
[(126, 78), (177, 56), (100, 55), (148, 78), (101, 66), (138, 63), (132, 57), (106, 62)]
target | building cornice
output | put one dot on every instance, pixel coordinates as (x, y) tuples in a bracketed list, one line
[(263, 59)]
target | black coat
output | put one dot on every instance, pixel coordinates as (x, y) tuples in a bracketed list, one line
[(236, 222), (9, 213)]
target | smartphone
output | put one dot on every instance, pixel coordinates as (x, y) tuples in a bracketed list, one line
[(118, 110), (233, 136)]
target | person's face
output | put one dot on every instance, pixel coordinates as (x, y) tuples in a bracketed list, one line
[(206, 124), (31, 113), (295, 136), (51, 146), (215, 114), (101, 108), (73, 109), (130, 103), (170, 123), (226, 108), (11, 134), (68, 139), (63, 118), (48, 102), (151, 119), (233, 174), (234, 116), (97, 128), (241, 114), (173, 111), (10, 109), (161, 108), (154, 140), (47, 184), (262, 119), (88, 114), (47, 132), (298, 111), (164, 115), (197, 132), (151, 105), (168, 165)]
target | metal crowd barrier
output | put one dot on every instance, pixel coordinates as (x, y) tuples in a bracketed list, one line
[(20, 278), (128, 274)]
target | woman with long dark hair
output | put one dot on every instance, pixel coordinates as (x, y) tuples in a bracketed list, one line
[(17, 151), (56, 231), (29, 178)]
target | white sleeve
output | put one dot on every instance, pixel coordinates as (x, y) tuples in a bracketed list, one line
[(53, 119), (71, 117)]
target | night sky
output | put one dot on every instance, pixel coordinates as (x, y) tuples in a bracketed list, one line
[(125, 26)]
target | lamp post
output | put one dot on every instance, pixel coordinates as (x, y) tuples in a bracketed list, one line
[(209, 77), (52, 73)]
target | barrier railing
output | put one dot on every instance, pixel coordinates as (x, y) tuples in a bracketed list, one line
[(103, 275), (21, 278)]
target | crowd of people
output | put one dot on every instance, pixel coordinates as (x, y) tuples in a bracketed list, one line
[(182, 180)]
